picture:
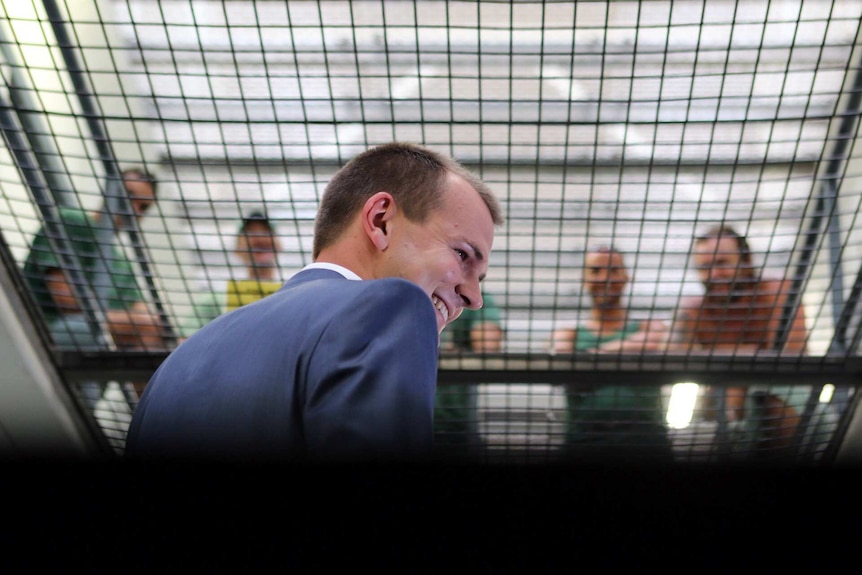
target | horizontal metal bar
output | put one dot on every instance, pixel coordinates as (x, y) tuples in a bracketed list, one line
[(545, 368)]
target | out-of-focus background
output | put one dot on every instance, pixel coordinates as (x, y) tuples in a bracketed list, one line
[(633, 124)]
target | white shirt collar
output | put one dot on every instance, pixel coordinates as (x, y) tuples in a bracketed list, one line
[(333, 267)]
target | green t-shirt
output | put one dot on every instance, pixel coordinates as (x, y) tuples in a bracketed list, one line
[(458, 332), (81, 229), (616, 405), (455, 417)]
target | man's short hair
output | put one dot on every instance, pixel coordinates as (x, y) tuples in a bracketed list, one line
[(140, 174), (413, 174), (609, 249)]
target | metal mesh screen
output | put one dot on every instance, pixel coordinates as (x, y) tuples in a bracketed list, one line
[(636, 125)]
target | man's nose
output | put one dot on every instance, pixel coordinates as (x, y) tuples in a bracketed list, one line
[(471, 294)]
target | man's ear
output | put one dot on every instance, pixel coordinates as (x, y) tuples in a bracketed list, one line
[(377, 214)]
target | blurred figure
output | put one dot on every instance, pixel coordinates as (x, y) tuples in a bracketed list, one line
[(456, 425), (740, 313), (128, 318), (257, 246), (616, 420)]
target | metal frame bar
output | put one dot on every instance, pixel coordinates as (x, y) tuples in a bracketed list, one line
[(32, 122), (117, 201), (55, 230), (850, 311), (540, 368), (13, 284), (824, 211)]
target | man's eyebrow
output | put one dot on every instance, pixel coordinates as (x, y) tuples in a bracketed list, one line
[(477, 253)]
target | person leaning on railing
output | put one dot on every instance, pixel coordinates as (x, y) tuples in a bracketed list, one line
[(612, 420), (128, 318), (741, 313)]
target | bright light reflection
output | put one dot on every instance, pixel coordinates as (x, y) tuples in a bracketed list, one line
[(826, 393), (681, 406)]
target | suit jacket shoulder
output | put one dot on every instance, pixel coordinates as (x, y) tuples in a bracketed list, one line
[(325, 368)]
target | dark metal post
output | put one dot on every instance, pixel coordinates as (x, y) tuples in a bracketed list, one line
[(39, 136), (55, 231), (117, 198), (824, 215)]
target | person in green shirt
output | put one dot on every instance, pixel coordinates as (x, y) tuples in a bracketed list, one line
[(257, 246), (127, 316), (456, 429), (616, 420)]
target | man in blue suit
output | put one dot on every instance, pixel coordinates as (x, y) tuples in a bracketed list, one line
[(328, 368)]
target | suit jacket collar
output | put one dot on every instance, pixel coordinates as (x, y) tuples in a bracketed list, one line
[(305, 276)]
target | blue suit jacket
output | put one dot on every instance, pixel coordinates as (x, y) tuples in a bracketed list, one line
[(325, 368)]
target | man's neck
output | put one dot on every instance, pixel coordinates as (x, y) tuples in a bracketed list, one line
[(338, 268), (355, 260)]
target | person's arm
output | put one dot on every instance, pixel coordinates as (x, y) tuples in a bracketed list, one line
[(782, 419), (782, 416), (61, 291), (652, 336), (563, 340), (372, 376), (682, 336), (136, 328), (797, 334), (486, 331)]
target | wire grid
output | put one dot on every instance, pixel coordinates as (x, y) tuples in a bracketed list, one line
[(527, 424), (632, 124)]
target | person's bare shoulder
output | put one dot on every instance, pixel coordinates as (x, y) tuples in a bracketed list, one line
[(784, 286), (688, 306), (771, 284), (773, 290)]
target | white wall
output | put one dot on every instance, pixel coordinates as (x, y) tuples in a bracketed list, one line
[(37, 413)]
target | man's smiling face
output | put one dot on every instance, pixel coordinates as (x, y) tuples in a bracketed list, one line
[(447, 254)]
